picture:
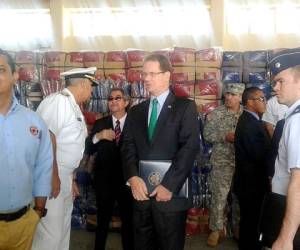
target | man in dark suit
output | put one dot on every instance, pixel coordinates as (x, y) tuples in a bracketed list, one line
[(106, 140), (252, 143), (161, 128)]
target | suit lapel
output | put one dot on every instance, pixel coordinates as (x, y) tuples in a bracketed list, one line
[(164, 114)]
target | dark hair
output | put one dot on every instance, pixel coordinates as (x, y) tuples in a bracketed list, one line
[(164, 62), (248, 94), (124, 94), (9, 60)]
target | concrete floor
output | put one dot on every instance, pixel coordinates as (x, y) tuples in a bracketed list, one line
[(83, 240)]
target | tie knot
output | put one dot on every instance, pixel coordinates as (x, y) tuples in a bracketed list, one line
[(154, 101), (118, 122)]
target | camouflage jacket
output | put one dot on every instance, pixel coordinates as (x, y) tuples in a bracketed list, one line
[(220, 122)]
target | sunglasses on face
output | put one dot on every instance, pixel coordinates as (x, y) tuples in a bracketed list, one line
[(117, 98)]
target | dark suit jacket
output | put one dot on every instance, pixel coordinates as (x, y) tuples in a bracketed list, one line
[(108, 162), (252, 143), (176, 138)]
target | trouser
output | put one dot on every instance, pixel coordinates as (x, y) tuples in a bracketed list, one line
[(18, 234), (220, 183), (250, 208), (105, 206), (53, 231), (155, 229)]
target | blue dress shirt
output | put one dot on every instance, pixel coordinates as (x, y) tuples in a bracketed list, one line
[(25, 158)]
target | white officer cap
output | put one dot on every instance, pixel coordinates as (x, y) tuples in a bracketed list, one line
[(88, 73)]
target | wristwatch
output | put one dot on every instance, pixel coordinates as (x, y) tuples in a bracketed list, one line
[(42, 210)]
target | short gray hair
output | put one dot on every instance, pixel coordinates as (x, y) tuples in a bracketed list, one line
[(72, 81)]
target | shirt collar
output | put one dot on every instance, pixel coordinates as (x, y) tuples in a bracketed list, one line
[(14, 105), (67, 92), (253, 113), (122, 120), (161, 98), (292, 108)]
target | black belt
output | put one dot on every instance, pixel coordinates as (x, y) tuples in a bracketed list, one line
[(15, 215)]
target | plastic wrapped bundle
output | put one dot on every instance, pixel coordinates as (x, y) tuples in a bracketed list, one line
[(102, 90), (203, 73), (98, 105), (115, 60), (24, 57), (99, 74), (138, 90), (55, 58), (231, 74), (54, 73), (136, 57), (28, 72), (209, 87), (265, 87), (183, 75), (182, 57), (183, 90), (211, 57), (51, 86), (232, 59), (115, 74), (255, 59), (74, 60), (206, 105), (255, 75), (93, 59), (134, 75)]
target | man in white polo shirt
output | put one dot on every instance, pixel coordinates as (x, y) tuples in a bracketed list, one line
[(64, 119), (285, 67)]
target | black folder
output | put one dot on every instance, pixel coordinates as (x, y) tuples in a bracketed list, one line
[(271, 219), (152, 172)]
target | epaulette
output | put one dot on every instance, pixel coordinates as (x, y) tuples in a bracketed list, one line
[(64, 93)]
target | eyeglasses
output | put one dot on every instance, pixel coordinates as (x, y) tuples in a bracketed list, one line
[(261, 99), (117, 98), (151, 74)]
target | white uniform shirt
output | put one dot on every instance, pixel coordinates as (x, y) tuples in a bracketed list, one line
[(288, 151), (274, 111), (65, 120)]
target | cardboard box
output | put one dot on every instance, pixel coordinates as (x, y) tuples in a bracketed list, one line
[(203, 73), (211, 57), (115, 74), (115, 60), (93, 59), (74, 59), (55, 58), (135, 58), (182, 57), (183, 75)]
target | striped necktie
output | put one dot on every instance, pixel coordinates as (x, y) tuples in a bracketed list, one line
[(117, 132), (153, 119)]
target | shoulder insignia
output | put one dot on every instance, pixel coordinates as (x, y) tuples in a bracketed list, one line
[(64, 93)]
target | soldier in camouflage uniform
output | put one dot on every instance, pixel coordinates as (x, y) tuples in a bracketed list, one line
[(219, 131)]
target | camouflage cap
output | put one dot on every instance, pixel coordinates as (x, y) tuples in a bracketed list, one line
[(234, 88)]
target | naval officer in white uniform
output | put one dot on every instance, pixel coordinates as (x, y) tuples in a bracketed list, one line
[(66, 123)]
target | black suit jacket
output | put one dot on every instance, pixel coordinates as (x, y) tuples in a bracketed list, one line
[(252, 143), (108, 162), (175, 138)]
